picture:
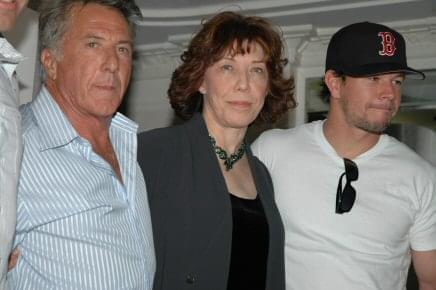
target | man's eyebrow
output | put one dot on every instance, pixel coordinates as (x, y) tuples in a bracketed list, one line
[(126, 42), (97, 37)]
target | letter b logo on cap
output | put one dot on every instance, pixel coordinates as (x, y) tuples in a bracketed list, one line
[(388, 42)]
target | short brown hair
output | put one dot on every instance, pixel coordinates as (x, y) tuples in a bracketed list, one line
[(230, 31)]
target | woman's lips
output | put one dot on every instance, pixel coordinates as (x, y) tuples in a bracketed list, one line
[(8, 5), (240, 104)]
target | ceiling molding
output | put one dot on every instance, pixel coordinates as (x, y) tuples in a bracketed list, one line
[(419, 34), (305, 45), (192, 16), (306, 40), (209, 9)]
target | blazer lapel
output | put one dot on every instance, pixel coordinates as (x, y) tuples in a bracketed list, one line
[(210, 204)]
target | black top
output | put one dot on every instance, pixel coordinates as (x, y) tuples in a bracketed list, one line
[(249, 245)]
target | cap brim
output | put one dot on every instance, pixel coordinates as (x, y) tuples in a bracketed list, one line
[(381, 68)]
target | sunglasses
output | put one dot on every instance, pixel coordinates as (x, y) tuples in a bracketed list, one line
[(345, 197)]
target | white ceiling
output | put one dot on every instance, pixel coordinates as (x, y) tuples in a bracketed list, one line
[(166, 18), (169, 24)]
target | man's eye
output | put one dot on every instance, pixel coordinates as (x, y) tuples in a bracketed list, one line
[(92, 44), (398, 82), (123, 49)]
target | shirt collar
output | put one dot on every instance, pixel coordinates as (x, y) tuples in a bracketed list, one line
[(57, 130), (8, 53)]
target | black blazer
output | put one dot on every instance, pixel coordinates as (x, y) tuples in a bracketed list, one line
[(191, 210)]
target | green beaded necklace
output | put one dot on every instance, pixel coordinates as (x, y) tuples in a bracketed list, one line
[(222, 154)]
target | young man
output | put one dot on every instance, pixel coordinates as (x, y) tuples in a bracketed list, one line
[(10, 133), (83, 217), (357, 204)]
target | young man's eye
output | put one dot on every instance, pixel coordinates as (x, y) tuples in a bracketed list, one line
[(398, 82)]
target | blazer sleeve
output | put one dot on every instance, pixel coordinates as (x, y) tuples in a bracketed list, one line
[(153, 150)]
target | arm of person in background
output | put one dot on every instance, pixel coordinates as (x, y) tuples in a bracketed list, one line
[(424, 263), (13, 259)]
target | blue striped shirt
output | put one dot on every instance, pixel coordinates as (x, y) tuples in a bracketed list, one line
[(78, 226)]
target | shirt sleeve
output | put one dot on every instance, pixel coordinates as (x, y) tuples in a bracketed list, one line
[(258, 149), (423, 231), (266, 146)]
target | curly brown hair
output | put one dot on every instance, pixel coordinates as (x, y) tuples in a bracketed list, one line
[(230, 32)]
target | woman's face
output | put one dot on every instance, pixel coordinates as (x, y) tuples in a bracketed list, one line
[(234, 88)]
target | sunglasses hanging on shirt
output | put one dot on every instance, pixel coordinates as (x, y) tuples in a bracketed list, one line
[(345, 197)]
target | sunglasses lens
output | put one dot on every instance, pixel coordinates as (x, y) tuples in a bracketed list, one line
[(351, 170), (348, 198), (345, 198)]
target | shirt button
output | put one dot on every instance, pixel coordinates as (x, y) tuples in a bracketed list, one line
[(190, 279)]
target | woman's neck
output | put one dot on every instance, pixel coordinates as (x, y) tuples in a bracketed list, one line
[(228, 138)]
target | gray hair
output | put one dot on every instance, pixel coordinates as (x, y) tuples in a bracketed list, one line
[(55, 16)]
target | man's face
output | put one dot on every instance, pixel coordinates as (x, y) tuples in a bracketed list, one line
[(90, 73), (9, 10), (369, 103)]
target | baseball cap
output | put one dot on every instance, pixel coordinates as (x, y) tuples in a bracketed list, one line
[(365, 48)]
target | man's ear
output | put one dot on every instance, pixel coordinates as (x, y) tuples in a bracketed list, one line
[(333, 82), (49, 61)]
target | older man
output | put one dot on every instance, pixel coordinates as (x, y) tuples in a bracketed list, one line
[(83, 216), (10, 133)]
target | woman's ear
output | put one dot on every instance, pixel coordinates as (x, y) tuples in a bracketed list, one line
[(202, 88)]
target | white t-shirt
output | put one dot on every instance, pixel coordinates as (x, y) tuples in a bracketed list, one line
[(368, 247)]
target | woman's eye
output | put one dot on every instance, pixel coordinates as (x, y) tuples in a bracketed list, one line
[(259, 70), (227, 67)]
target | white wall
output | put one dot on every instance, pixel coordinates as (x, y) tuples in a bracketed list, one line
[(148, 104), (422, 140)]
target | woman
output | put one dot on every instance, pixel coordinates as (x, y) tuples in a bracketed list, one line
[(215, 222)]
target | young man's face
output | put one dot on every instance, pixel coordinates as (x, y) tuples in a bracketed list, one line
[(9, 10), (370, 103)]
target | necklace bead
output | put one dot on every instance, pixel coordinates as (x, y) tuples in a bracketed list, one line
[(222, 154)]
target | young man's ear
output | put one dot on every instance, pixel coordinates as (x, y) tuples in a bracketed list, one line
[(48, 60), (333, 82)]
